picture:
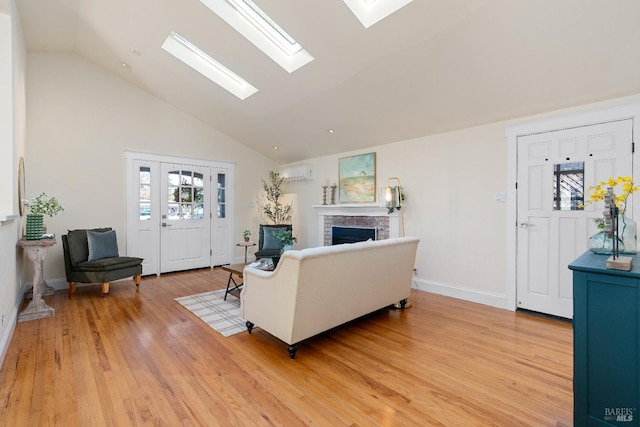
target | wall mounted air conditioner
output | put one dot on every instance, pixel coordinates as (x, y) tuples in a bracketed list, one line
[(297, 173)]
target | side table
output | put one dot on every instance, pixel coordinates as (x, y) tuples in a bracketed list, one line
[(36, 251), (246, 246)]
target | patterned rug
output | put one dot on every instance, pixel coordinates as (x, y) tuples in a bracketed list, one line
[(223, 316)]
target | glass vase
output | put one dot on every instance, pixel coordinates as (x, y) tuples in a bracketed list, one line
[(628, 231), (602, 244)]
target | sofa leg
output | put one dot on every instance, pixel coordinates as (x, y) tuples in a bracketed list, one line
[(292, 350), (105, 289), (249, 326), (136, 279), (72, 288)]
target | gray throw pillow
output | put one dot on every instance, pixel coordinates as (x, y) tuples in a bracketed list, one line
[(270, 242), (102, 245)]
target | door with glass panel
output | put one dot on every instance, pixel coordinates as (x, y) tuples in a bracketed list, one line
[(143, 215), (555, 169), (222, 216), (184, 217)]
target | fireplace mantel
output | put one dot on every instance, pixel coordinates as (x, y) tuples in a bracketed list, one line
[(364, 210)]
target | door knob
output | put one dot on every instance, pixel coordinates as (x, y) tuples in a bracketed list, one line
[(164, 224), (524, 225)]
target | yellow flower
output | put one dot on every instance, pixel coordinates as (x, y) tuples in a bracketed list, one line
[(599, 191)]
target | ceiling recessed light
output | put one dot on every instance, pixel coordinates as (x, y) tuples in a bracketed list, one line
[(330, 130), (275, 147), (135, 52), (125, 65)]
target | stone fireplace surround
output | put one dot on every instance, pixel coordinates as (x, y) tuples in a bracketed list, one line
[(357, 215)]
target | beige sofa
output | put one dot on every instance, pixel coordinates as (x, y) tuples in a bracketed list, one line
[(313, 290)]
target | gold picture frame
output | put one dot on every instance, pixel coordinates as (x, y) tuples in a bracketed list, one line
[(21, 186), (357, 179)]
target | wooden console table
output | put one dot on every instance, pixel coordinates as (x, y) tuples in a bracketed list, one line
[(36, 251)]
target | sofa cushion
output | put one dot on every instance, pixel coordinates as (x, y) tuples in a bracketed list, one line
[(270, 241), (78, 246), (102, 245), (106, 264)]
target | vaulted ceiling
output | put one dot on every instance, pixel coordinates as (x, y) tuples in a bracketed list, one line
[(430, 67)]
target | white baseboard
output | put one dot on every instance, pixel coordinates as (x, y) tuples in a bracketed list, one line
[(472, 295)]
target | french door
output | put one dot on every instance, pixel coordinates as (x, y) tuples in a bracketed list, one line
[(179, 212), (185, 224)]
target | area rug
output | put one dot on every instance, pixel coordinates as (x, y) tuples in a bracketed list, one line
[(210, 307)]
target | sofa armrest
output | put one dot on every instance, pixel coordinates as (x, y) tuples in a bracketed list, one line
[(268, 298)]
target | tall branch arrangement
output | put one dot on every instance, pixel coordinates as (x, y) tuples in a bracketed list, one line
[(276, 211)]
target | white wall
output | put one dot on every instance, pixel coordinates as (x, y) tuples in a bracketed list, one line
[(12, 131), (450, 181), (80, 121)]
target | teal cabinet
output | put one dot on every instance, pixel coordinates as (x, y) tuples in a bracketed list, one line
[(606, 328)]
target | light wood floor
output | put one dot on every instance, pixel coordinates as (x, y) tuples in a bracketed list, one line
[(139, 358)]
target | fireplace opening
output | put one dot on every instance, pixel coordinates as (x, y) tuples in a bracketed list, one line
[(340, 235)]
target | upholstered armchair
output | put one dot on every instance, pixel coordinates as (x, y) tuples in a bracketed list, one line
[(268, 245), (91, 256)]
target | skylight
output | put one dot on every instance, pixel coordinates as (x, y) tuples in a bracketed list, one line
[(197, 59), (371, 11), (257, 27)]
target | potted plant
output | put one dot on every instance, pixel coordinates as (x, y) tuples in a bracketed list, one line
[(246, 234), (38, 207), (287, 239), (275, 210)]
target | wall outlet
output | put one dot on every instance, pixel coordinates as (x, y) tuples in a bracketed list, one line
[(2, 322)]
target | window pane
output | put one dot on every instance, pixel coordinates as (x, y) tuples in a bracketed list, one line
[(221, 196), (221, 211), (172, 194), (198, 195), (173, 211), (145, 192), (198, 212), (186, 195), (186, 178), (174, 178), (568, 186), (145, 175), (198, 180), (221, 179), (185, 211), (145, 211)]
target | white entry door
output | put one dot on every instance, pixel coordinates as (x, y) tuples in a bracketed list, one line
[(185, 217), (554, 169)]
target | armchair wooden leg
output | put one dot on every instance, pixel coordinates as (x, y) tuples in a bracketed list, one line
[(105, 289), (72, 288), (136, 279)]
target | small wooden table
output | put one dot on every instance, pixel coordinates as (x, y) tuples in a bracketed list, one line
[(37, 252), (246, 246), (236, 269)]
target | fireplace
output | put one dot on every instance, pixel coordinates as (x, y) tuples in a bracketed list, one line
[(363, 216), (340, 235)]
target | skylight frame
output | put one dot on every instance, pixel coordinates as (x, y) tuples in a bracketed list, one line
[(370, 12), (196, 58), (263, 33)]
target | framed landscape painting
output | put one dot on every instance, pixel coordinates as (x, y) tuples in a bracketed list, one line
[(357, 179)]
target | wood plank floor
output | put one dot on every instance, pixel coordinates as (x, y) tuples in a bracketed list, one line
[(139, 358)]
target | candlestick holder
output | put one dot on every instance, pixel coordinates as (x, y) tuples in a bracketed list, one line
[(324, 194), (333, 194)]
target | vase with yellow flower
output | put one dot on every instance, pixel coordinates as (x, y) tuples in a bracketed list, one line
[(627, 227)]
